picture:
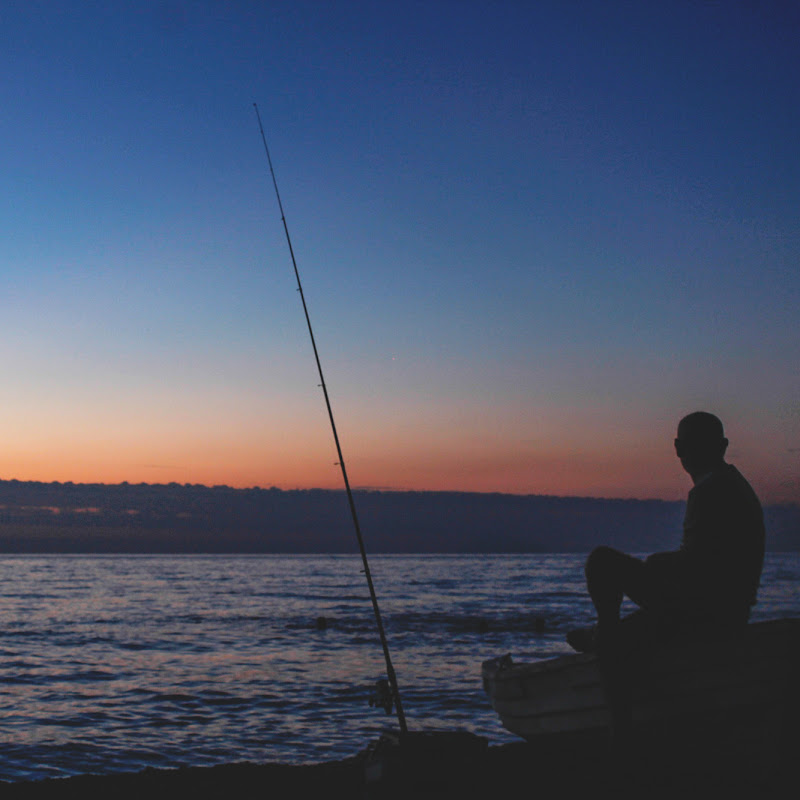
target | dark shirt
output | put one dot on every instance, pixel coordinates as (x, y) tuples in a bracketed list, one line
[(723, 544)]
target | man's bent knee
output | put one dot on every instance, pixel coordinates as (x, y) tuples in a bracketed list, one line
[(601, 560)]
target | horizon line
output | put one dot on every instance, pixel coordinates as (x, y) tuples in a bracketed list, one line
[(367, 488)]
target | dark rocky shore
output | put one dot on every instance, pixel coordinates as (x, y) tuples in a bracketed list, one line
[(466, 770)]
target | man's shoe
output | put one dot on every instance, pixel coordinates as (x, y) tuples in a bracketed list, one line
[(584, 640)]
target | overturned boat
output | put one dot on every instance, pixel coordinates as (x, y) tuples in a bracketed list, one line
[(741, 693)]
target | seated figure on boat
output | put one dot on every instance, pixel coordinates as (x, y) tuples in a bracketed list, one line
[(708, 586)]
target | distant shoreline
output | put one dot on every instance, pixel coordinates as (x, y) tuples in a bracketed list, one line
[(56, 517)]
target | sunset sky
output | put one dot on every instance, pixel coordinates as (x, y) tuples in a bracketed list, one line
[(532, 236)]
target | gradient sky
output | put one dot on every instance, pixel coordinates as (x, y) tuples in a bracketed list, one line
[(532, 235)]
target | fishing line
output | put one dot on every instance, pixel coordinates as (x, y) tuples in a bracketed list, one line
[(389, 668)]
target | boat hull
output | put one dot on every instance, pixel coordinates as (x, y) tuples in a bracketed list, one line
[(751, 676)]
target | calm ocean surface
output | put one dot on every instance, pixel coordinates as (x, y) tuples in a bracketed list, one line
[(114, 663)]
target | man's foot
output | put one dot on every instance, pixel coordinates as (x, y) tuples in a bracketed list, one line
[(584, 640)]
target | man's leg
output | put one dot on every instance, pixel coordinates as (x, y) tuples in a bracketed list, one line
[(623, 657), (610, 575)]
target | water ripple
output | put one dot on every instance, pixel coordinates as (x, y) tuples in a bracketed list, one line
[(113, 663)]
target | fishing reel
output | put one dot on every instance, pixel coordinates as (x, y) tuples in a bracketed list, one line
[(382, 697)]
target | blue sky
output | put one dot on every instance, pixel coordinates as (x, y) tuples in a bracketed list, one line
[(531, 235)]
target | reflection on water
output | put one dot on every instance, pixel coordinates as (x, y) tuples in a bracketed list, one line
[(113, 663)]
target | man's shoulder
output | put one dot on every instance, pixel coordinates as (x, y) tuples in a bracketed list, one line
[(731, 476), (725, 476), (726, 485)]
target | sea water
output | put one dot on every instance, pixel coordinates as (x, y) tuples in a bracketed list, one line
[(115, 663)]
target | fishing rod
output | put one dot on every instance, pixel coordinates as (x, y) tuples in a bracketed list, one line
[(401, 718)]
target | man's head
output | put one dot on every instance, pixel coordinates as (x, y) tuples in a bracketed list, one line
[(700, 443)]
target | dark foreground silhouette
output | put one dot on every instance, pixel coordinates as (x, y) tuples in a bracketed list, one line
[(553, 770)]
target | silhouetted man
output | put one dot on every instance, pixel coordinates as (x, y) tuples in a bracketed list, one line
[(706, 588)]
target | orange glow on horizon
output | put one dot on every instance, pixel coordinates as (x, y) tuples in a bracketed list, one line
[(429, 455)]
